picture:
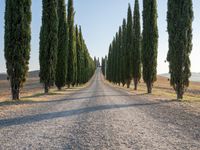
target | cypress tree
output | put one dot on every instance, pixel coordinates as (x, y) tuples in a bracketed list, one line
[(179, 17), (119, 56), (114, 61), (48, 43), (109, 68), (75, 61), (136, 57), (129, 46), (71, 73), (85, 72), (79, 55), (149, 43), (82, 65), (103, 65), (17, 43), (95, 61), (61, 69), (123, 52)]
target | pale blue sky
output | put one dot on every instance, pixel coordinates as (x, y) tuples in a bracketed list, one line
[(100, 19)]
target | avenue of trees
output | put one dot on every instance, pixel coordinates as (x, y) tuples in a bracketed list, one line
[(133, 54), (63, 54), (64, 57)]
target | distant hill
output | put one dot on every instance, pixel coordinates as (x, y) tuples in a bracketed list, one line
[(195, 76), (31, 74)]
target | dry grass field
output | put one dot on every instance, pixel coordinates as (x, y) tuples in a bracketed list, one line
[(163, 90), (32, 93)]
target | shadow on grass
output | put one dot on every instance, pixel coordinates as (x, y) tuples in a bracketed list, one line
[(25, 100), (21, 102), (54, 115), (142, 94), (41, 94)]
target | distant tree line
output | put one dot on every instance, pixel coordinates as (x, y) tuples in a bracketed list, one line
[(97, 62), (103, 65), (63, 55), (133, 54)]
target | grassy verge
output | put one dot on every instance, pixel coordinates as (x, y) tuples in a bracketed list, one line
[(162, 90)]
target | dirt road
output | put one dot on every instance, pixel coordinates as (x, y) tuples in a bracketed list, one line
[(101, 117)]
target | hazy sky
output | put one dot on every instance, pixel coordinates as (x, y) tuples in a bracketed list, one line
[(100, 19)]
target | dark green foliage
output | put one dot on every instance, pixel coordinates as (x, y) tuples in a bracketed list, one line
[(71, 73), (103, 61), (109, 68), (179, 17), (48, 43), (98, 62), (149, 43), (120, 56), (123, 53), (95, 61), (87, 63), (116, 61), (17, 42), (75, 82), (82, 67), (136, 56), (61, 69), (79, 56), (129, 47)]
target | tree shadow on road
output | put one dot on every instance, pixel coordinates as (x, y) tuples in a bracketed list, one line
[(54, 115), (71, 98)]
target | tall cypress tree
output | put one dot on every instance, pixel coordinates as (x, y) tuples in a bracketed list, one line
[(82, 65), (114, 60), (120, 55), (75, 61), (48, 43), (149, 43), (123, 52), (136, 57), (129, 46), (61, 68), (103, 65), (17, 43), (71, 73), (79, 55), (109, 68), (179, 17)]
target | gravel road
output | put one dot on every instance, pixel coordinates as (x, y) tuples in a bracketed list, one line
[(101, 117)]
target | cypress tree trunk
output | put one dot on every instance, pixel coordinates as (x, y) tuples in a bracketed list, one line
[(179, 18), (15, 91), (128, 82), (149, 87), (149, 43), (46, 88), (180, 92), (17, 43), (135, 84), (48, 43)]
